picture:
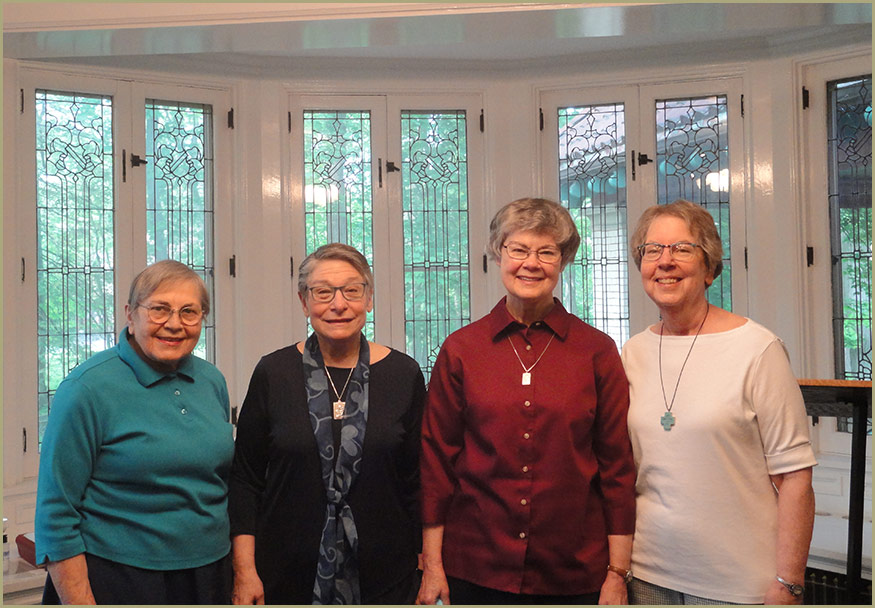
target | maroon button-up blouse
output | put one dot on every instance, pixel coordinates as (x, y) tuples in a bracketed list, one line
[(528, 480)]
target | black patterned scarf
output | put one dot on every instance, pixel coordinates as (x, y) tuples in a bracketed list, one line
[(337, 573)]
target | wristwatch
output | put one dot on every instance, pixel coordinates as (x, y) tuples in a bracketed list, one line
[(793, 588), (626, 574)]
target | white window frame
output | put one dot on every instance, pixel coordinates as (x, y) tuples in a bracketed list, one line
[(639, 104), (387, 225), (833, 447), (129, 96)]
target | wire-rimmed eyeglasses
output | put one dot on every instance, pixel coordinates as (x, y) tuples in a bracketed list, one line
[(682, 251), (515, 251), (160, 313), (351, 292)]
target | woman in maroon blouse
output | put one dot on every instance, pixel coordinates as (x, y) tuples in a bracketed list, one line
[(527, 472)]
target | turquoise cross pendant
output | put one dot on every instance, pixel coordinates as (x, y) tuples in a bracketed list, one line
[(667, 421)]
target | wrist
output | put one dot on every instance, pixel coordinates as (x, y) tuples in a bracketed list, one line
[(792, 588), (623, 573)]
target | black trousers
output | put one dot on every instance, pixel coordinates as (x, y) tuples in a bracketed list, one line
[(114, 583), (463, 592)]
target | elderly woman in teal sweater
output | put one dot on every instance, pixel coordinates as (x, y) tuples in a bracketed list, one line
[(133, 481)]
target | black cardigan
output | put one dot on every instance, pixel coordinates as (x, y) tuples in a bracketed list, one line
[(276, 491)]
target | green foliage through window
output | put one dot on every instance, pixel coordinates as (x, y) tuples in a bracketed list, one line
[(850, 204), (75, 244), (692, 163), (592, 185), (434, 176), (179, 195), (338, 203)]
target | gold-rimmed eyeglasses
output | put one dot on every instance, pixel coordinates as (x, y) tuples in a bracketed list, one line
[(160, 313)]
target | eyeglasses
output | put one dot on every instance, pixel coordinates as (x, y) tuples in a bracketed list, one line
[(680, 251), (161, 314), (351, 292), (515, 251)]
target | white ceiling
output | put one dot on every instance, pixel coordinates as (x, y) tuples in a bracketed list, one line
[(497, 35)]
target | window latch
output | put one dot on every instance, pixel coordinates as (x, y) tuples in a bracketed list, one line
[(638, 160), (136, 160)]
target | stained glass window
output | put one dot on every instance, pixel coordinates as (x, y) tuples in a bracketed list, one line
[(692, 162), (434, 175), (850, 209), (179, 195), (337, 183), (75, 223), (592, 185)]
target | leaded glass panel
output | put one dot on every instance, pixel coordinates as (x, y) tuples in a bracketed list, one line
[(434, 175), (179, 195), (592, 185), (692, 163), (75, 223), (338, 203), (850, 208)]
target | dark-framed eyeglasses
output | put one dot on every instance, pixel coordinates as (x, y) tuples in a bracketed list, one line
[(681, 251), (351, 292), (160, 313), (548, 255)]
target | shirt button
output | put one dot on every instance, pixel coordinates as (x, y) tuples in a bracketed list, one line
[(183, 411), (524, 502), (522, 534), (525, 469), (528, 347), (176, 392), (526, 435), (527, 403)]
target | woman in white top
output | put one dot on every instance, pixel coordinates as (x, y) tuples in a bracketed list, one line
[(724, 501)]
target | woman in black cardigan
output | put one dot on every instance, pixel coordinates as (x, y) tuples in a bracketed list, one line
[(324, 497)]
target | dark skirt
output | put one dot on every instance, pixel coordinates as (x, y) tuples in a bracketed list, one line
[(114, 583)]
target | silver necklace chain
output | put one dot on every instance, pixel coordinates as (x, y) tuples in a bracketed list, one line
[(528, 369), (668, 405)]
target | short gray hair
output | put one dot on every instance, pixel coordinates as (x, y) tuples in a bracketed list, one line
[(537, 215), (161, 272), (698, 220), (335, 251)]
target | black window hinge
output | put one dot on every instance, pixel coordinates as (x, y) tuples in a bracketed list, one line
[(806, 101), (231, 118), (742, 106), (22, 101), (745, 258), (485, 264), (290, 122), (482, 121), (232, 265), (541, 118), (292, 266), (22, 270), (809, 256), (24, 440)]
